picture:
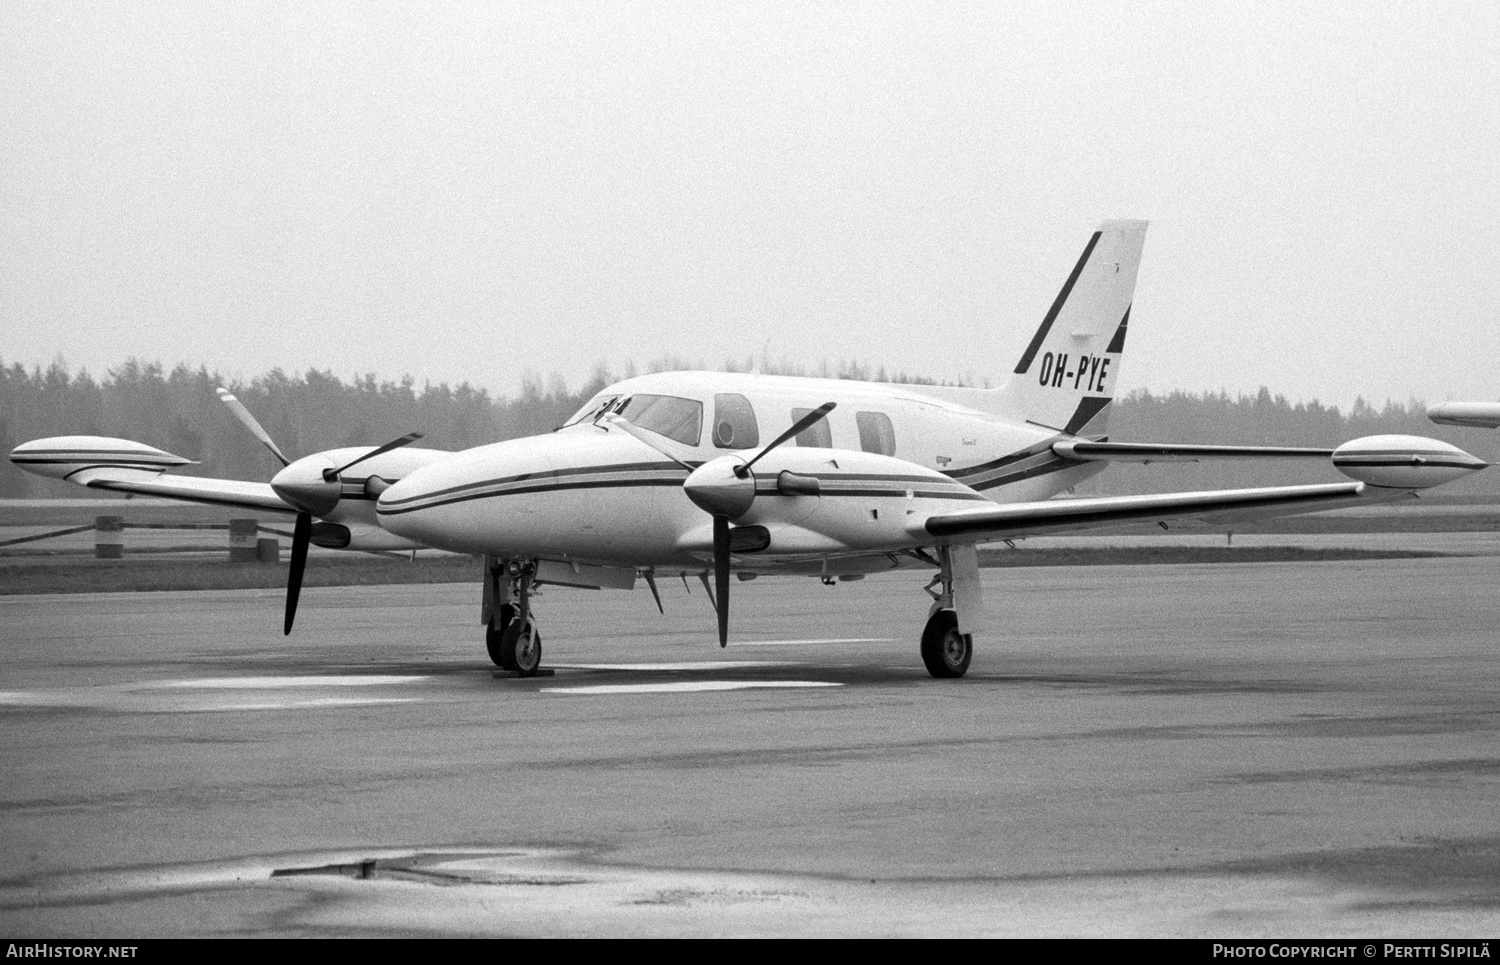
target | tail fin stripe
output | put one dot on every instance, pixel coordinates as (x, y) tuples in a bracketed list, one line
[(1117, 344), (1062, 297), (1088, 407)]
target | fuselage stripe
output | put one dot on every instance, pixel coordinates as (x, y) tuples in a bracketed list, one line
[(965, 485), (679, 474), (1057, 465), (971, 472), (833, 485)]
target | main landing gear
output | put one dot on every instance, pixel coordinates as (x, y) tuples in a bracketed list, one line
[(946, 649), (515, 644), (510, 633)]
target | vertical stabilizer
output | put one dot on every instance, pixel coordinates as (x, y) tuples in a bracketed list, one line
[(1067, 375)]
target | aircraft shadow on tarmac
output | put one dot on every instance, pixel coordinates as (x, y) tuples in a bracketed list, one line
[(761, 670)]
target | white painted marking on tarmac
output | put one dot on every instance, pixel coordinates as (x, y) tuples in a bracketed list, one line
[(686, 687), (30, 698), (278, 683), (120, 700), (804, 643), (314, 703), (213, 694), (684, 665)]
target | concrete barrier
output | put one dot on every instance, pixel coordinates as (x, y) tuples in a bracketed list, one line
[(109, 537), (242, 544)]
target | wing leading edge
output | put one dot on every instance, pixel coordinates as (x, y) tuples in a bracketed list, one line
[(217, 492), (1062, 515)]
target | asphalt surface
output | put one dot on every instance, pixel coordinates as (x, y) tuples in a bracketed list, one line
[(1274, 750)]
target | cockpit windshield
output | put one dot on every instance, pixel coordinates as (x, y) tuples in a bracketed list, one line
[(594, 407), (677, 419), (667, 415)]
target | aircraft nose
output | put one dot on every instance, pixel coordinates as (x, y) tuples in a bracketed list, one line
[(398, 508), (398, 499)]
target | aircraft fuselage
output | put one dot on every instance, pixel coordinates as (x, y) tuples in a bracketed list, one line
[(590, 492)]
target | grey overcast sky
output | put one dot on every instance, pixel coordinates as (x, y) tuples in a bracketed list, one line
[(478, 191)]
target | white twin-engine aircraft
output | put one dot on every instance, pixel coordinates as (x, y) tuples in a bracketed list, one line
[(699, 473)]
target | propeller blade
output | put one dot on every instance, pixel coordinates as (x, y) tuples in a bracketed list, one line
[(801, 425), (625, 425), (301, 536), (721, 576), (248, 421), (329, 475)]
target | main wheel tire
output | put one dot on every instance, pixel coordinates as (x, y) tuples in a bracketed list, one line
[(494, 639), (945, 651), (523, 650)]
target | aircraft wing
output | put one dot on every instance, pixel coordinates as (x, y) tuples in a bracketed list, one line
[(218, 492), (1147, 452), (1071, 515)]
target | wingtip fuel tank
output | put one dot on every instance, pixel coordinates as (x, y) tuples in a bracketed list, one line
[(1404, 462)]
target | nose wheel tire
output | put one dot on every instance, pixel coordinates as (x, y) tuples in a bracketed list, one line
[(945, 650), (494, 640), (522, 650)]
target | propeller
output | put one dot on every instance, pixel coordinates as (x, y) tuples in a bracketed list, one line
[(329, 475), (800, 426), (721, 577), (248, 421), (301, 536), (725, 489), (312, 490), (650, 439), (310, 494)]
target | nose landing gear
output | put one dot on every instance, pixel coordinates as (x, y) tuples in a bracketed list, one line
[(521, 647), (511, 634)]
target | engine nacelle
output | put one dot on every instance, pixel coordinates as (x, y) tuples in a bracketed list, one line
[(1404, 462)]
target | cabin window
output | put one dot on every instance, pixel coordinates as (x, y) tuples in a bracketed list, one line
[(734, 422), (677, 419), (816, 436), (876, 434)]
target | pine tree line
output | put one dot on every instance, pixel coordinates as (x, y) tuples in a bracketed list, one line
[(178, 411)]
